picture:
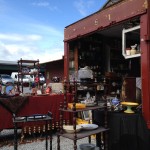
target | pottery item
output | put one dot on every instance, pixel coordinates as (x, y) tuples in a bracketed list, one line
[(115, 101), (70, 129), (128, 51), (133, 50), (129, 106)]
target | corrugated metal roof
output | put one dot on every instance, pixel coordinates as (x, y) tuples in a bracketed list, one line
[(3, 62), (8, 62), (51, 61)]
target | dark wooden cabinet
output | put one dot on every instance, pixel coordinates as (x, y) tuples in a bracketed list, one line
[(86, 52)]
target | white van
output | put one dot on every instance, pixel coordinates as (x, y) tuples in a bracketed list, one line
[(14, 75)]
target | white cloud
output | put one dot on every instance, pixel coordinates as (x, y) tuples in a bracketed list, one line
[(19, 37), (43, 29), (45, 44), (31, 40), (41, 4), (83, 6), (51, 55), (29, 51), (44, 4)]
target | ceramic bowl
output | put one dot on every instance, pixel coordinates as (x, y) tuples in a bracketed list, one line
[(69, 128)]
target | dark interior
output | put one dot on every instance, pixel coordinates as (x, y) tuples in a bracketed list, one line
[(102, 52)]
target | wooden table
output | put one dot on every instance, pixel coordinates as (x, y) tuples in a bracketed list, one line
[(35, 105)]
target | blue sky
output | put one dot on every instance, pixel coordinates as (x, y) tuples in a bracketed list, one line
[(34, 29)]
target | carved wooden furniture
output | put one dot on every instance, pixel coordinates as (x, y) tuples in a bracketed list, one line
[(72, 87), (34, 118), (24, 67)]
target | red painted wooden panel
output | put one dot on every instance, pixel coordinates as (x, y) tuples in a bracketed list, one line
[(145, 67), (121, 11)]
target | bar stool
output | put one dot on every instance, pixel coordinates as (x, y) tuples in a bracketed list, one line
[(33, 118)]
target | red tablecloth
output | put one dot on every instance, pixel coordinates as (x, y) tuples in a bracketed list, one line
[(35, 105)]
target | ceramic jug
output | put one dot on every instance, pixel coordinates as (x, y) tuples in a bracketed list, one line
[(133, 50)]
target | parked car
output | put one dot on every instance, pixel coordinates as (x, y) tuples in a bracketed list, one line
[(6, 79), (15, 76)]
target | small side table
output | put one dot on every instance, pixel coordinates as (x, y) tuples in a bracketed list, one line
[(33, 118)]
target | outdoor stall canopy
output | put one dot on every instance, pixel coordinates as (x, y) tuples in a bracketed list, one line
[(100, 38)]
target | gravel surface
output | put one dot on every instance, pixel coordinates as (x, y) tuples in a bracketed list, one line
[(37, 143)]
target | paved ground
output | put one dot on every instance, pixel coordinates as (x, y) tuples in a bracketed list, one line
[(37, 143)]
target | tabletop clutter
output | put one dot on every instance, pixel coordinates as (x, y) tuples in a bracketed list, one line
[(85, 103), (113, 104)]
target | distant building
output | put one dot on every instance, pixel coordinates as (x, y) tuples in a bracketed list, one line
[(8, 66), (54, 68), (49, 69)]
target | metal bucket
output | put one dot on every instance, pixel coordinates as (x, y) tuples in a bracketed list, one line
[(87, 146)]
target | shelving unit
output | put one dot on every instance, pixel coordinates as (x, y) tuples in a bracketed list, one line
[(24, 67), (136, 32), (113, 86), (115, 62), (95, 89), (73, 112), (85, 53)]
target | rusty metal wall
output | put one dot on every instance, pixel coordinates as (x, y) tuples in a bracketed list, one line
[(121, 11), (106, 17)]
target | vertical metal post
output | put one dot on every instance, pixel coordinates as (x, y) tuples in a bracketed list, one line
[(46, 131), (15, 134)]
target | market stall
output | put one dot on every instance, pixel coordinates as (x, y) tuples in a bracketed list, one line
[(114, 43), (34, 105)]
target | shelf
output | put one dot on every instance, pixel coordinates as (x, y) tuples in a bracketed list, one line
[(22, 70), (28, 73), (124, 32), (32, 119), (89, 90), (28, 61), (83, 134), (132, 56), (86, 90), (85, 109)]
